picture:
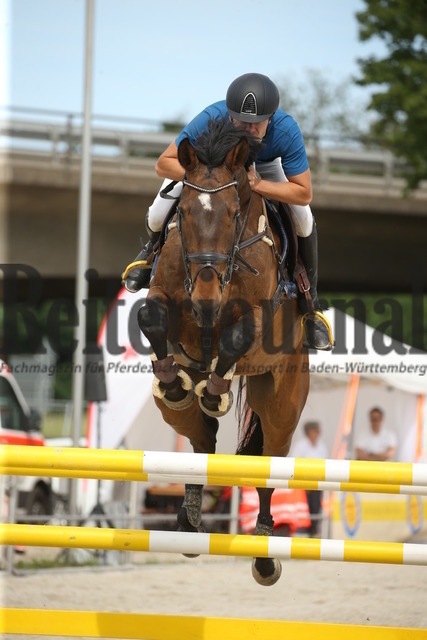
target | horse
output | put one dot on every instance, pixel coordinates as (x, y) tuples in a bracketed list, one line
[(215, 310)]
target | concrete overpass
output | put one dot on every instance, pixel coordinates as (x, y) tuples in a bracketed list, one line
[(371, 237)]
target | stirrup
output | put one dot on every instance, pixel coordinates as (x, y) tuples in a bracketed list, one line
[(318, 316), (143, 264)]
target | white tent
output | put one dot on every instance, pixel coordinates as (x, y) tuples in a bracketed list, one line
[(385, 373), (392, 375)]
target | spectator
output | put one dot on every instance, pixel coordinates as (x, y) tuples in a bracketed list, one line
[(312, 446), (378, 443)]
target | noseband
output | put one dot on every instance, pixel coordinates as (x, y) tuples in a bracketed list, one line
[(210, 258)]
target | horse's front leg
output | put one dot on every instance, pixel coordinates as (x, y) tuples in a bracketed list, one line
[(171, 384), (215, 397)]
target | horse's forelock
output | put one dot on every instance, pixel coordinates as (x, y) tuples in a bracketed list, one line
[(213, 144)]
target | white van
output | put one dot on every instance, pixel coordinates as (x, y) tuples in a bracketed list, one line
[(21, 425)]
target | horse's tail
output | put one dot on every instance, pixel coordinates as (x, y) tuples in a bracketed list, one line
[(251, 440)]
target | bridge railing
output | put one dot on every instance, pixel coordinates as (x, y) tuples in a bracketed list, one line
[(127, 141)]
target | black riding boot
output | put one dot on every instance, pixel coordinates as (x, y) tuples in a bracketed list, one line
[(139, 276), (317, 330)]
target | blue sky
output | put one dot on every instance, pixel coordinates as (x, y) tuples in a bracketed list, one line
[(166, 60)]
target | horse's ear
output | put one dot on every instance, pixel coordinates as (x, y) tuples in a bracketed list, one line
[(237, 157), (186, 155)]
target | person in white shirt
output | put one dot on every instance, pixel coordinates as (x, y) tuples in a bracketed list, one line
[(312, 446), (378, 443)]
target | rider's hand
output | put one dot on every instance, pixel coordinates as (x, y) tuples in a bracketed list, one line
[(253, 178)]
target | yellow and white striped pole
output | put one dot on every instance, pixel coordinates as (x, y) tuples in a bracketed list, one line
[(206, 468), (221, 481), (213, 544)]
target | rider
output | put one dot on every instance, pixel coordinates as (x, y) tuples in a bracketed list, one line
[(282, 174)]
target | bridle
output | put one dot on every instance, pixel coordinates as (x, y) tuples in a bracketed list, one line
[(209, 259), (233, 183)]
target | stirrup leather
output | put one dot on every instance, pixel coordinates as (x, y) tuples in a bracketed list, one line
[(318, 315), (143, 264)]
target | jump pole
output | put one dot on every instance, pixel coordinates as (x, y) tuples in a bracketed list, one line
[(213, 544), (94, 624), (311, 485), (147, 465)]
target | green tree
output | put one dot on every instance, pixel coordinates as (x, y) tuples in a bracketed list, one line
[(399, 79)]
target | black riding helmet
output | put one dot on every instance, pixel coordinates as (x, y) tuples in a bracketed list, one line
[(252, 97)]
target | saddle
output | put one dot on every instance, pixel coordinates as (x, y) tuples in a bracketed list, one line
[(291, 268)]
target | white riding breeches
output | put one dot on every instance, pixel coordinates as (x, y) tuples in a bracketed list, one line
[(160, 208), (302, 216)]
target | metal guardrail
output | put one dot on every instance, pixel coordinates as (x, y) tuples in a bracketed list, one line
[(129, 144), (65, 139)]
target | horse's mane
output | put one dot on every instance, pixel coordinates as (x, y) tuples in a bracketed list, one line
[(221, 135)]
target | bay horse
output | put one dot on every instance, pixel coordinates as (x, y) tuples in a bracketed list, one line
[(214, 310)]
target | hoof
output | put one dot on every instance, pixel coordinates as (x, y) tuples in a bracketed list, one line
[(224, 405), (180, 405), (272, 578), (185, 525), (198, 530), (183, 389)]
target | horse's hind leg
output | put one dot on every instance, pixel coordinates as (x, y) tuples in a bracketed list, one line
[(278, 400), (266, 571)]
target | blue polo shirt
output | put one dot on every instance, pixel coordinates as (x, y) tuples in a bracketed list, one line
[(283, 138)]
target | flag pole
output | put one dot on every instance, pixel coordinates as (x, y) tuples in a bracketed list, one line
[(83, 244)]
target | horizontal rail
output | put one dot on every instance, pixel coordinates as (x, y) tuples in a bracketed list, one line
[(143, 626), (148, 139), (219, 544), (236, 481), (148, 135), (208, 468), (71, 133)]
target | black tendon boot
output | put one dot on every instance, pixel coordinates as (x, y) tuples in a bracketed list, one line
[(137, 273), (317, 330)]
